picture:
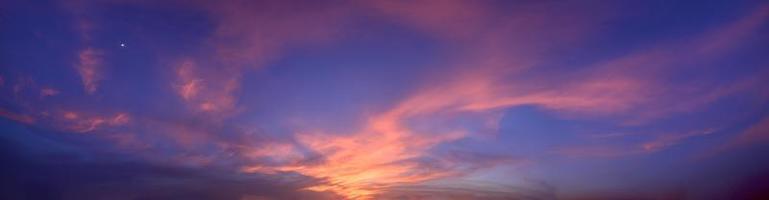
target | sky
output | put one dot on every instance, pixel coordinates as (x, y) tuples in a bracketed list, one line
[(384, 99)]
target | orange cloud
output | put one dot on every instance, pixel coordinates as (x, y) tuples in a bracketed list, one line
[(379, 156), (382, 154), (90, 68), (363, 164), (366, 163)]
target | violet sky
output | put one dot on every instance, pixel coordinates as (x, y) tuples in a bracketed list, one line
[(384, 99)]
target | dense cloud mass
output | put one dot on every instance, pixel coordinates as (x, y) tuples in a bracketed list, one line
[(453, 99)]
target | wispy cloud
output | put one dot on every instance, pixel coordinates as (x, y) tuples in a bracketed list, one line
[(755, 134), (491, 60), (90, 68), (614, 147), (79, 122), (16, 117), (206, 90)]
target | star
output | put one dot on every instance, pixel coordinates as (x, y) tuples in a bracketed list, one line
[(122, 44)]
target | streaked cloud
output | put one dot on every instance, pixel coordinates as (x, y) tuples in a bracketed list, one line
[(90, 67), (83, 123), (17, 117), (657, 142), (204, 92), (755, 134)]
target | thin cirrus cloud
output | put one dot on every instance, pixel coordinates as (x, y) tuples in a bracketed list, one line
[(90, 68), (479, 94), (659, 62), (756, 133), (658, 142), (78, 122), (90, 60), (209, 93), (200, 108), (383, 153)]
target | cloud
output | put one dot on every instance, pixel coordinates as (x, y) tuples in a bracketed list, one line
[(465, 190), (76, 173), (252, 33), (448, 19), (77, 122), (248, 36), (614, 147), (732, 35), (360, 164), (385, 153), (17, 117), (46, 92), (756, 133), (90, 67), (210, 93), (496, 60)]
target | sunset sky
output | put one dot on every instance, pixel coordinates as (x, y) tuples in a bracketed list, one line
[(384, 99)]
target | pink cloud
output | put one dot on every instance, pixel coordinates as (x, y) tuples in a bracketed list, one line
[(188, 86), (667, 140), (206, 90), (253, 33), (248, 35), (732, 35), (89, 67), (83, 123), (659, 142), (17, 117), (448, 19), (755, 134), (644, 72), (366, 162)]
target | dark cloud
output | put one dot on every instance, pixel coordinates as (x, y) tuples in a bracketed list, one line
[(31, 170), (462, 190)]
